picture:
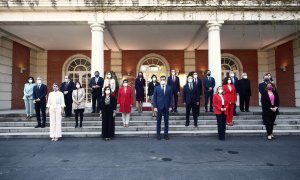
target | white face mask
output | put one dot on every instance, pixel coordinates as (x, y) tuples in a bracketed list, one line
[(195, 75), (30, 80), (154, 79), (190, 80), (55, 89), (78, 86), (39, 81), (245, 77), (66, 80), (107, 91), (229, 81), (109, 75), (220, 91), (163, 82), (231, 74), (173, 73), (125, 84)]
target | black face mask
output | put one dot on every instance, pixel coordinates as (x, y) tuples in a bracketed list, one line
[(208, 74)]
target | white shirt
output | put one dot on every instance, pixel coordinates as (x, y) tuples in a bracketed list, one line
[(222, 98), (111, 83), (56, 99)]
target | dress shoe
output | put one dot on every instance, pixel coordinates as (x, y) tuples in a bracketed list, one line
[(211, 111), (166, 137), (196, 125), (242, 111), (158, 137), (43, 126), (38, 126), (187, 124), (247, 111), (76, 126), (80, 125), (93, 111)]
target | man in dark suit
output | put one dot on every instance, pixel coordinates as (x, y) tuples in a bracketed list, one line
[(209, 85), (198, 84), (39, 98), (244, 92), (235, 82), (191, 100), (162, 102), (174, 83), (67, 88), (262, 86), (96, 84)]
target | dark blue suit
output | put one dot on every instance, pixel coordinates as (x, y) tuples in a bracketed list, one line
[(162, 101), (96, 92), (209, 93), (191, 98), (68, 97), (175, 85), (198, 86), (40, 93)]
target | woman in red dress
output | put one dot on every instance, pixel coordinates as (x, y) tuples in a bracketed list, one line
[(125, 99), (230, 95)]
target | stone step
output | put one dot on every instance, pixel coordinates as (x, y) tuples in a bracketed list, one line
[(151, 133)]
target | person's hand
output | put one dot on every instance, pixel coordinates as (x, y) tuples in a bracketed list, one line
[(224, 109), (155, 109), (100, 115), (197, 103), (97, 86), (170, 109), (210, 88), (275, 108), (118, 105), (178, 93), (38, 99), (184, 103), (65, 92), (131, 105), (47, 111), (114, 114), (33, 101)]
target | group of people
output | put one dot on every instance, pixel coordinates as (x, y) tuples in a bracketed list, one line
[(163, 95)]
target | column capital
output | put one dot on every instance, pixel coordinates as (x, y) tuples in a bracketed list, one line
[(97, 25), (214, 25)]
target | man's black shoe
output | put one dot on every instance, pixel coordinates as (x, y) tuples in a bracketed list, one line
[(166, 137)]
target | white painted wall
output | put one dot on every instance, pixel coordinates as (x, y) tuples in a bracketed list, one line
[(6, 47)]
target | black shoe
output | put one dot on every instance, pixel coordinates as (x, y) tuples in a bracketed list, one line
[(247, 111), (211, 110), (242, 111), (206, 110), (80, 125), (43, 126), (37, 126), (235, 114), (76, 126), (176, 111), (196, 125), (166, 137), (93, 111), (187, 124), (158, 137)]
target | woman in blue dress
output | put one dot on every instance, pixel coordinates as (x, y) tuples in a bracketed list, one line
[(140, 84)]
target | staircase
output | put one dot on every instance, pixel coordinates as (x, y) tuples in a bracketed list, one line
[(143, 125)]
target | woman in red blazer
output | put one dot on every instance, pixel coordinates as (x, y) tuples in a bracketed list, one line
[(220, 104), (125, 99), (230, 95)]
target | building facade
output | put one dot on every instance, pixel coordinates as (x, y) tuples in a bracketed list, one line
[(51, 39)]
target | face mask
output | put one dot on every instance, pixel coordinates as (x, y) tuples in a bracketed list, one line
[(39, 81), (195, 75), (245, 77), (140, 75), (229, 81), (154, 79), (220, 91), (96, 75), (190, 80), (173, 73), (163, 82), (231, 74), (125, 84), (30, 80), (78, 86), (270, 88), (55, 89), (109, 76), (107, 92), (66, 80), (208, 74)]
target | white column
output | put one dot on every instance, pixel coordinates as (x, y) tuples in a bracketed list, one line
[(296, 52), (214, 50), (97, 47)]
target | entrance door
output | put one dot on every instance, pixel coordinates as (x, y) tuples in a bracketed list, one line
[(79, 70)]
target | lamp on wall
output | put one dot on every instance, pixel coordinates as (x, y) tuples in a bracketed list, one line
[(22, 69), (283, 68)]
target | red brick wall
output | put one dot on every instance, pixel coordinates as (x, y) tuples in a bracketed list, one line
[(21, 58), (131, 58), (248, 59), (285, 80), (56, 59)]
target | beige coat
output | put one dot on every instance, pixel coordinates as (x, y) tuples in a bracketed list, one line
[(78, 95)]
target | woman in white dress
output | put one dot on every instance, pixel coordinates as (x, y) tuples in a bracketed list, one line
[(109, 82), (55, 108)]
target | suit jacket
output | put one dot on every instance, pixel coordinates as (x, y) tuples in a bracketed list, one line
[(70, 87), (209, 83), (162, 100), (230, 95), (151, 88), (198, 86), (174, 85), (79, 96), (266, 104), (236, 84), (189, 95), (40, 93), (125, 99), (262, 87), (244, 87), (99, 83), (217, 103)]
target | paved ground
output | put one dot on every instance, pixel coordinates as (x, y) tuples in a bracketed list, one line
[(147, 158)]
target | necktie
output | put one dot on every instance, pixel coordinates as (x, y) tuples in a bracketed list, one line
[(174, 78), (164, 89), (195, 81)]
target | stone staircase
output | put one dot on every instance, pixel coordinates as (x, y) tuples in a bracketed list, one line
[(143, 125)]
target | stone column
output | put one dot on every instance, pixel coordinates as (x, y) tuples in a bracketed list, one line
[(97, 61), (214, 50), (296, 52)]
